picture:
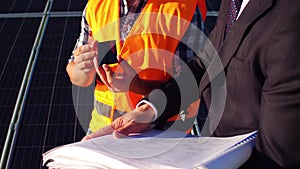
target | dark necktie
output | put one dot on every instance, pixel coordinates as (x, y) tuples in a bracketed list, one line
[(233, 11)]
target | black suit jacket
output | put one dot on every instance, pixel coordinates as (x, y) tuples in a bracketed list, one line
[(258, 84)]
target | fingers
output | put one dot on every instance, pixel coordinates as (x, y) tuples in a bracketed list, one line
[(86, 48), (133, 122), (104, 131), (87, 56), (109, 73), (85, 52), (129, 128), (86, 138), (95, 61), (106, 75), (84, 56), (86, 66), (101, 73), (123, 132)]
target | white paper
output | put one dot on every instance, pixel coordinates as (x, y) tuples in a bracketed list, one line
[(145, 152)]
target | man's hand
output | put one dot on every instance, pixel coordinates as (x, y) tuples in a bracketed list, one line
[(115, 81), (81, 70), (132, 122)]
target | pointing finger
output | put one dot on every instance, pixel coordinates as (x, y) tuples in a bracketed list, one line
[(102, 132), (109, 73)]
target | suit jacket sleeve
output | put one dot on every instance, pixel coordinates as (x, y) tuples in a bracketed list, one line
[(279, 122), (176, 94)]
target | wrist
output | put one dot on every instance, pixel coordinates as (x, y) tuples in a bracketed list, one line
[(146, 106), (147, 111), (78, 77)]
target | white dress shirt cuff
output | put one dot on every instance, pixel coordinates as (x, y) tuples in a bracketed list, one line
[(151, 105)]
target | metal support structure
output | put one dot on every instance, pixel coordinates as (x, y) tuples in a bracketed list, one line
[(212, 13), (66, 14), (40, 14)]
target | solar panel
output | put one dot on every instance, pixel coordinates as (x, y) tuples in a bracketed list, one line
[(213, 5), (17, 6), (17, 37), (68, 5), (49, 118)]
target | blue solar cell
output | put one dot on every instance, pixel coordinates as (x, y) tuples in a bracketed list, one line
[(69, 5), (17, 6), (213, 5)]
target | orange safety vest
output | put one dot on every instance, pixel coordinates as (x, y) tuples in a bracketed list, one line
[(202, 6), (150, 45)]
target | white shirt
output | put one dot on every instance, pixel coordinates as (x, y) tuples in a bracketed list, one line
[(244, 4)]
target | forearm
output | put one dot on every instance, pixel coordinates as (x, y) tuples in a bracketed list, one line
[(143, 87), (176, 94)]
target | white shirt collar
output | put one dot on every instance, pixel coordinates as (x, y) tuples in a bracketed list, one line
[(244, 4)]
